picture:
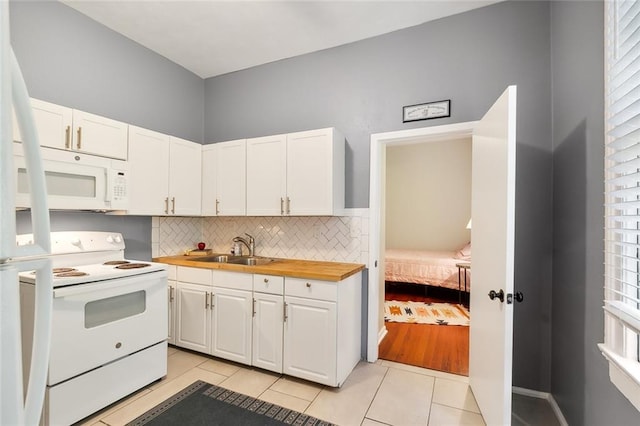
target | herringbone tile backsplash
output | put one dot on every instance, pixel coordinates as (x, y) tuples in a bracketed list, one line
[(339, 239)]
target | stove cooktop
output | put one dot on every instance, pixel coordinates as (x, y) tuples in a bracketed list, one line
[(81, 274)]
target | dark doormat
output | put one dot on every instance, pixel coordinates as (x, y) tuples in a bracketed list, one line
[(202, 403)]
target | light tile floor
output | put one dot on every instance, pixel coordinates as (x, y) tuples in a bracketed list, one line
[(381, 393)]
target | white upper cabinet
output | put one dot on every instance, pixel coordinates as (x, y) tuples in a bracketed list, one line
[(315, 172), (69, 129), (266, 175), (224, 178), (297, 174), (185, 161), (165, 174)]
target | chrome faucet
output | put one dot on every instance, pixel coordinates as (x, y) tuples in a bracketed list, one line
[(251, 244)]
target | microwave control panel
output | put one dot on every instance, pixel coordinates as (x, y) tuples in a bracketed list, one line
[(119, 189)]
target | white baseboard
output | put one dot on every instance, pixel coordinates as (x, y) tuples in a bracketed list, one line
[(543, 395), (381, 334)]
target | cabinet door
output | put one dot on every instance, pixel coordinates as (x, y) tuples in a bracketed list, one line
[(53, 124), (266, 175), (98, 135), (172, 312), (185, 162), (231, 173), (149, 172), (210, 180), (310, 340), (231, 325), (193, 317), (315, 172), (267, 331)]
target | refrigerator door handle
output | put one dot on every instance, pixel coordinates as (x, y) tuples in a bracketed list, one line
[(38, 190)]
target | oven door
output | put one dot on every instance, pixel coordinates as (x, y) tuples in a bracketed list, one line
[(100, 322)]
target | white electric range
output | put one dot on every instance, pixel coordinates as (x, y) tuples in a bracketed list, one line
[(109, 324)]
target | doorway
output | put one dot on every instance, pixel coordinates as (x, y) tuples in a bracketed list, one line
[(427, 209), (379, 142)]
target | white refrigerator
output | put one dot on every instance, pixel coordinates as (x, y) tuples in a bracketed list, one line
[(21, 403)]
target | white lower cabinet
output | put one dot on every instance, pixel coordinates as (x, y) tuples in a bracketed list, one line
[(231, 325), (309, 329), (193, 317), (322, 329), (268, 322), (310, 340)]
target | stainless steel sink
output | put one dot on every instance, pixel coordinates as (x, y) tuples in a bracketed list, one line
[(251, 261), (236, 260)]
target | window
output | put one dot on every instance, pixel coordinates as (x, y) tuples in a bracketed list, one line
[(621, 345)]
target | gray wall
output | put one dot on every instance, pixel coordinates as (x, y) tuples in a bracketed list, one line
[(71, 60), (580, 382), (361, 87)]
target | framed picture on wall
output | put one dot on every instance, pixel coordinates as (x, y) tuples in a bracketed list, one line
[(426, 111)]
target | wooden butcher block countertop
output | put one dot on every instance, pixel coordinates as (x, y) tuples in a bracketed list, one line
[(311, 269)]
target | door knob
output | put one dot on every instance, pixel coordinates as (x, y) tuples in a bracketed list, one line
[(496, 295)]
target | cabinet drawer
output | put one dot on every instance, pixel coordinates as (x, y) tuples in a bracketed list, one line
[(194, 275), (312, 289), (270, 284), (233, 280)]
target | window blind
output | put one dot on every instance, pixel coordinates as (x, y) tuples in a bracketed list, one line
[(622, 190)]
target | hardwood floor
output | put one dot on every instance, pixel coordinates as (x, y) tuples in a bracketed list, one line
[(437, 347)]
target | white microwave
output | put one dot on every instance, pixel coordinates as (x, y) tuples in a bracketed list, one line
[(75, 181)]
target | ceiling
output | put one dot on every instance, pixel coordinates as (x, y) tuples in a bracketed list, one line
[(211, 38)]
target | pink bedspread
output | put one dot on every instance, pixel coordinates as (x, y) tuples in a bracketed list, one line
[(437, 268)]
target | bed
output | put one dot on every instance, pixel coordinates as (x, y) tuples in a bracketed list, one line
[(434, 268)]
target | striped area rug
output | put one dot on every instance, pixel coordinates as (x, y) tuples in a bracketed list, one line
[(426, 313)]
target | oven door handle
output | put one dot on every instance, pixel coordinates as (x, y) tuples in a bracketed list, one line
[(141, 282)]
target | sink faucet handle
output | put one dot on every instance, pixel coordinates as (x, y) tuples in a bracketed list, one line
[(250, 237)]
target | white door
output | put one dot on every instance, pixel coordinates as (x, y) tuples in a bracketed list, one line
[(53, 123), (98, 135), (231, 324), (493, 212), (310, 173), (231, 178), (310, 340), (266, 175), (149, 172), (193, 317), (267, 331), (185, 179), (210, 180)]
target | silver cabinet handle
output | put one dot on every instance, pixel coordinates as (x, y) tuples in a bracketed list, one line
[(67, 137), (308, 285), (166, 205), (217, 207), (170, 294), (266, 280), (253, 307), (284, 312), (206, 300), (281, 206), (211, 295), (79, 143), (173, 205), (288, 206)]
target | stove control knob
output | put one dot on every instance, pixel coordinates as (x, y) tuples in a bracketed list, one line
[(109, 239), (118, 239), (76, 242)]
